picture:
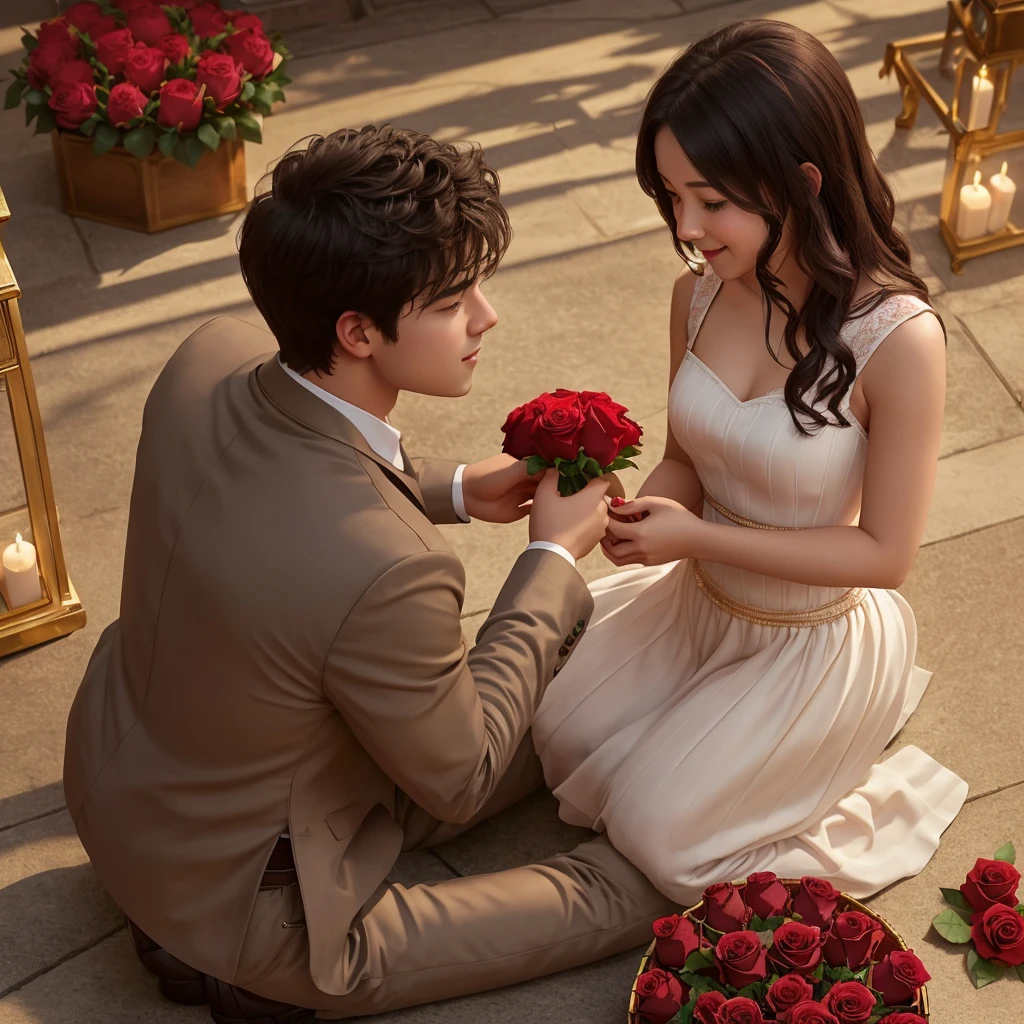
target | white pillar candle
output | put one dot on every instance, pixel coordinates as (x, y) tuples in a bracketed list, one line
[(21, 576), (1002, 187), (982, 94), (972, 217)]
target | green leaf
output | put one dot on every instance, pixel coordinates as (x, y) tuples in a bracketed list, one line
[(28, 40), (630, 451), (766, 936), (104, 138), (88, 126), (819, 971), (249, 128), (535, 464), (570, 485), (775, 922), (46, 122), (167, 143), (569, 469), (982, 972), (140, 141), (698, 960), (14, 94), (952, 927), (248, 91), (1006, 853), (225, 127), (35, 97), (591, 468), (618, 464), (194, 150), (1020, 972), (208, 136), (955, 898)]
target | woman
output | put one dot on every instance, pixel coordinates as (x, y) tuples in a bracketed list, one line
[(726, 707)]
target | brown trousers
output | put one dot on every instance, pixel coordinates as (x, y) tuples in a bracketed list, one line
[(452, 938)]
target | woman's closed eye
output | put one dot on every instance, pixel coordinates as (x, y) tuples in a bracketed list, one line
[(711, 207), (453, 308)]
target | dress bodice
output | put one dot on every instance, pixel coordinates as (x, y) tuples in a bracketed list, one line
[(751, 458)]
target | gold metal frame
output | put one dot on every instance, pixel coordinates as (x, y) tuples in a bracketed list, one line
[(58, 612), (845, 903), (966, 148)]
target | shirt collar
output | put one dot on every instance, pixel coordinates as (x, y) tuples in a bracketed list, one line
[(379, 434)]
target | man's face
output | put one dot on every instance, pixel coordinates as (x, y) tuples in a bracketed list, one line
[(438, 345)]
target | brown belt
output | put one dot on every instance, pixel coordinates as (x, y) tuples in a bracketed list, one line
[(280, 870)]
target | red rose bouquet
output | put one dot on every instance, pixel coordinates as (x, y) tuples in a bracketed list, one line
[(764, 950), (582, 434), (987, 913), (180, 75)]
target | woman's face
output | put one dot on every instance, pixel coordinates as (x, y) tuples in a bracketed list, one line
[(729, 238)]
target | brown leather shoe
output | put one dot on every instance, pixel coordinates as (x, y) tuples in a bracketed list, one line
[(228, 1003)]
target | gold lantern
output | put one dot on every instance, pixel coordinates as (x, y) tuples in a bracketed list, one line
[(39, 602), (980, 49)]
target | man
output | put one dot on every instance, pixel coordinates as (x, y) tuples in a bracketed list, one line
[(286, 701)]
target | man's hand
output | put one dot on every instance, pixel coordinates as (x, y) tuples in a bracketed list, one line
[(495, 490), (577, 521)]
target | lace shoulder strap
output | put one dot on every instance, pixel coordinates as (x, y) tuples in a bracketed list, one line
[(704, 292), (866, 333)]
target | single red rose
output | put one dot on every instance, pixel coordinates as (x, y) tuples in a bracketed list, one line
[(741, 958), (73, 104), (557, 431), (518, 430), (181, 105), (83, 15), (252, 49), (607, 429), (904, 1018), (796, 947), (853, 940), (72, 71), (149, 25), (675, 938), (56, 30), (112, 49), (998, 935), (765, 895), (810, 1012), (175, 47), (740, 1010), (125, 103), (898, 976), (659, 996), (991, 881), (208, 20), (705, 1010), (242, 19), (816, 902), (221, 76), (144, 66), (724, 909), (44, 61), (850, 1002), (785, 993)]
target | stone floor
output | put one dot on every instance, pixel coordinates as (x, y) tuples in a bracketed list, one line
[(553, 92)]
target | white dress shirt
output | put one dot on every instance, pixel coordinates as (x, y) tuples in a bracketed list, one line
[(385, 441)]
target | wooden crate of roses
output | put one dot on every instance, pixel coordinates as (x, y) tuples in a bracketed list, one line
[(803, 893)]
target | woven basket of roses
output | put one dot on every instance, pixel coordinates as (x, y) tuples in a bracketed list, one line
[(796, 951)]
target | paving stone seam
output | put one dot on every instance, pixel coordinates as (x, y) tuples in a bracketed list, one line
[(993, 366), (76, 952), (85, 246), (977, 529), (34, 817)]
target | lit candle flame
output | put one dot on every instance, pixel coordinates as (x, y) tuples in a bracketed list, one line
[(977, 178), (983, 71), (1002, 170), (17, 541)]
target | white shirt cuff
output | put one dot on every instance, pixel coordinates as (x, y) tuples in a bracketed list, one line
[(457, 497), (547, 545)]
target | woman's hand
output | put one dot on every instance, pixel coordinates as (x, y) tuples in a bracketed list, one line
[(667, 532)]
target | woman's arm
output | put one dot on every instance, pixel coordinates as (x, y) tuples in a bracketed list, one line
[(904, 385), (675, 476)]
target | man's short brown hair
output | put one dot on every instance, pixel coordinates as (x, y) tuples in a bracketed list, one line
[(366, 220)]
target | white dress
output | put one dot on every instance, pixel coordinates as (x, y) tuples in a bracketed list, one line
[(709, 739)]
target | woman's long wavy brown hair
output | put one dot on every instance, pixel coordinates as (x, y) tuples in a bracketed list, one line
[(749, 104)]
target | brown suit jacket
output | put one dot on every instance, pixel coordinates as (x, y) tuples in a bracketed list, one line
[(288, 655)]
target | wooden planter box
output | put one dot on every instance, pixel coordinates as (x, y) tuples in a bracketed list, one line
[(152, 194)]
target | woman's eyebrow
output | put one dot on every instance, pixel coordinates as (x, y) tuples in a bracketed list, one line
[(689, 184)]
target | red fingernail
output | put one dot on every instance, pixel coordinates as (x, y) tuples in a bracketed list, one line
[(616, 502)]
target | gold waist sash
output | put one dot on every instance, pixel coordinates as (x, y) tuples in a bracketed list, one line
[(819, 616)]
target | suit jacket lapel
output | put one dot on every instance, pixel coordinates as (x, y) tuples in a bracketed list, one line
[(298, 403)]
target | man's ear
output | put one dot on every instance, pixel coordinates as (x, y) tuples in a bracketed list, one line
[(350, 330), (813, 176)]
